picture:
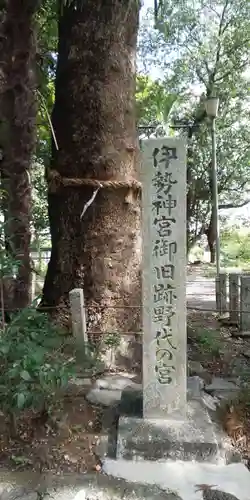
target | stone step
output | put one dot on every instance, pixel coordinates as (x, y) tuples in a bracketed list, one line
[(192, 439), (188, 480), (127, 435)]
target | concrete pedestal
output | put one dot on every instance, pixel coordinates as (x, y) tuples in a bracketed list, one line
[(195, 438), (147, 439)]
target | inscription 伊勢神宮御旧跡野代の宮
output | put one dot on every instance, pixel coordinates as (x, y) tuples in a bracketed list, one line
[(164, 293), (163, 285)]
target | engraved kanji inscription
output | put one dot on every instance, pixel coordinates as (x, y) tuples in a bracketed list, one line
[(165, 248), (164, 279), (166, 205), (163, 225), (165, 293), (165, 272), (164, 155), (162, 313), (164, 367), (165, 334), (163, 182)]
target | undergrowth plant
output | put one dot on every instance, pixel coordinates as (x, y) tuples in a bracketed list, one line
[(8, 268), (209, 342), (112, 340), (33, 367)]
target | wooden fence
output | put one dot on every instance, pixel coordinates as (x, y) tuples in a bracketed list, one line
[(233, 299)]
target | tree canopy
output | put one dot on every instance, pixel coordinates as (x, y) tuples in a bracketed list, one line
[(196, 49), (201, 49)]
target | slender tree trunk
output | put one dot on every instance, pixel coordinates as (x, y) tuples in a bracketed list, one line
[(18, 135), (94, 123), (211, 237), (4, 186), (212, 252)]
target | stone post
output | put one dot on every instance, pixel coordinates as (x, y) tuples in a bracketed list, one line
[(164, 278), (78, 315), (245, 305), (217, 294), (221, 293), (234, 298)]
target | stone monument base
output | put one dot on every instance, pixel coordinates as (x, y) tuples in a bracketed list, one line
[(195, 438), (192, 439), (127, 436)]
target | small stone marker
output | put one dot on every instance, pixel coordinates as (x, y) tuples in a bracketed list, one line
[(78, 316), (164, 278), (245, 305), (234, 298)]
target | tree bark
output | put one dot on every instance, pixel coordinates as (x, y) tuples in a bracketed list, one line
[(211, 237), (18, 109), (212, 252), (94, 123)]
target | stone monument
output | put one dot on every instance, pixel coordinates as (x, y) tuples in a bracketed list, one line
[(168, 420), (170, 437), (164, 278)]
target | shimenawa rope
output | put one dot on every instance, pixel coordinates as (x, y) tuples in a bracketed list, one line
[(55, 181)]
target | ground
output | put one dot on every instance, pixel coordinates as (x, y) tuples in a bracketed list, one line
[(220, 351), (69, 446), (223, 355), (65, 447)]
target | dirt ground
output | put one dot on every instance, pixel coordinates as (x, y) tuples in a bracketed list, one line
[(223, 353), (67, 446)]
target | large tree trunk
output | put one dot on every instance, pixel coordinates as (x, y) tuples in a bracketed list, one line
[(94, 124), (18, 110)]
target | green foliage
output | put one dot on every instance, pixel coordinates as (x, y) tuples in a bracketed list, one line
[(204, 42), (46, 65), (40, 220), (21, 460), (153, 103), (202, 48), (86, 354), (208, 341), (112, 339), (235, 247), (8, 264), (33, 367)]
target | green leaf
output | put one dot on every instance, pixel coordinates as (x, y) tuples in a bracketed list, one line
[(20, 460), (4, 349), (38, 355), (25, 375), (21, 400)]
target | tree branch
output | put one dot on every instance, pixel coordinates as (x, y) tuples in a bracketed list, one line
[(218, 52), (242, 66), (235, 47), (233, 205), (222, 17)]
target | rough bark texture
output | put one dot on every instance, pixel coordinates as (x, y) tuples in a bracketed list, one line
[(211, 237), (212, 253), (94, 123), (18, 116)]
